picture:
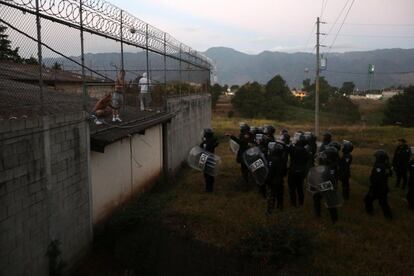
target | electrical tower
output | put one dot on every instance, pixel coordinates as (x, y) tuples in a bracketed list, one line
[(371, 70)]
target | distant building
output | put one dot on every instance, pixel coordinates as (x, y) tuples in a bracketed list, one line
[(387, 94), (374, 96), (56, 79), (300, 93)]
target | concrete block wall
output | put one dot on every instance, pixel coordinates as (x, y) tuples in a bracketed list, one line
[(44, 192), (127, 168), (193, 114)]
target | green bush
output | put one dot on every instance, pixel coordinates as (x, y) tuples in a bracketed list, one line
[(399, 109), (277, 244), (249, 100), (252, 101), (343, 105)]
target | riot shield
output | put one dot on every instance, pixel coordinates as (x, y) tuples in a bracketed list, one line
[(320, 181), (204, 161), (234, 146), (255, 160)]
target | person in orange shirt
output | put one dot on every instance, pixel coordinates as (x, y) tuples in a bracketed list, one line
[(101, 107)]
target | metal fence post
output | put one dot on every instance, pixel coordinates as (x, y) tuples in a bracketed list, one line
[(147, 57), (165, 61), (84, 91), (122, 41), (208, 81), (122, 59), (39, 56), (180, 72)]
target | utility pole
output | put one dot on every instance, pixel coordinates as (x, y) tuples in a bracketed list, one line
[(317, 88)]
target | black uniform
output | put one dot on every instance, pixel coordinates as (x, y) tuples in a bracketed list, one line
[(327, 139), (209, 144), (274, 183), (400, 163), (312, 149), (410, 194), (243, 140), (297, 172), (345, 173), (331, 160), (379, 187)]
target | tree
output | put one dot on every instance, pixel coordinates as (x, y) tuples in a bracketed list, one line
[(215, 91), (32, 60), (57, 66), (6, 51), (234, 88), (325, 91), (347, 88), (399, 108), (249, 100), (277, 86)]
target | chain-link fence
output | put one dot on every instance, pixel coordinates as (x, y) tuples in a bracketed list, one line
[(58, 55)]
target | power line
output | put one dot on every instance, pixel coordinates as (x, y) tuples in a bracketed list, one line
[(340, 28), (374, 24), (337, 18), (364, 74), (379, 36), (324, 5), (309, 37)]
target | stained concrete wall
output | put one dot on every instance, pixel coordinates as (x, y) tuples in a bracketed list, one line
[(126, 168), (44, 192), (193, 114)]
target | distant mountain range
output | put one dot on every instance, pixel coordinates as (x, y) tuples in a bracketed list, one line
[(392, 67)]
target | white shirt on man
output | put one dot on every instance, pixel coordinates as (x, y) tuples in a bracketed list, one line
[(144, 83)]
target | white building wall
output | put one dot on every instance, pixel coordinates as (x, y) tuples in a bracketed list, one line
[(126, 168)]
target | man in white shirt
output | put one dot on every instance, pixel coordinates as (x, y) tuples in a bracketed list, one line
[(145, 93)]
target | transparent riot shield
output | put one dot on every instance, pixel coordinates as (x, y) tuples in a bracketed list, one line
[(320, 181), (255, 160), (234, 146), (204, 161)]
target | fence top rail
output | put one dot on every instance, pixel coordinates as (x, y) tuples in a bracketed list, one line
[(103, 18)]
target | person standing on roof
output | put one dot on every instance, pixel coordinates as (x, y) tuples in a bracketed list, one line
[(117, 96), (145, 98)]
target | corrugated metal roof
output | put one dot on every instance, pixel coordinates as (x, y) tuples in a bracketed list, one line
[(133, 123)]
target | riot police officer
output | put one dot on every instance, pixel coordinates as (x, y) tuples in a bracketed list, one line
[(327, 139), (379, 184), (209, 144), (269, 132), (262, 141), (285, 137), (297, 170), (410, 194), (345, 167), (400, 162), (329, 158), (275, 158), (244, 140), (311, 147)]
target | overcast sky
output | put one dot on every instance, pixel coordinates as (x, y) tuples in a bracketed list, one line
[(279, 25)]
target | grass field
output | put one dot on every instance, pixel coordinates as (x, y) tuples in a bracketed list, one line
[(357, 245)]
